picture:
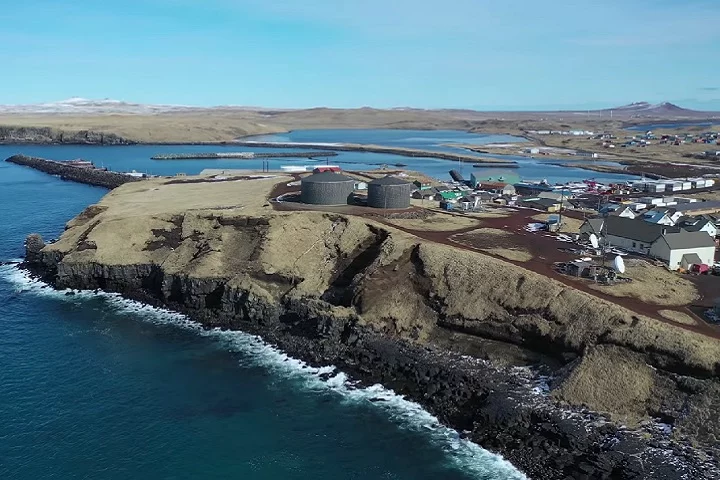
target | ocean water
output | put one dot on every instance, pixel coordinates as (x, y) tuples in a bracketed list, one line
[(97, 387), (137, 157)]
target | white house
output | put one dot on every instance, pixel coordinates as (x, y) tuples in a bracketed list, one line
[(625, 211), (683, 249), (663, 216), (699, 224), (658, 217), (675, 246)]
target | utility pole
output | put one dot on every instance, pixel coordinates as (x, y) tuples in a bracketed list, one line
[(562, 201)]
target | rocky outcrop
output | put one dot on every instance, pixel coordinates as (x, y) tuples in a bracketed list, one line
[(340, 324), (89, 176), (43, 135)]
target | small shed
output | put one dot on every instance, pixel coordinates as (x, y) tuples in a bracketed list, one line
[(579, 269), (421, 195), (422, 185), (690, 259), (446, 205), (508, 190)]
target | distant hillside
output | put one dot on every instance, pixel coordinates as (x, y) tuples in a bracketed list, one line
[(82, 106), (658, 110)]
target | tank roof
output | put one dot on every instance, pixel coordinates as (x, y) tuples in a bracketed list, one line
[(327, 177), (389, 180)]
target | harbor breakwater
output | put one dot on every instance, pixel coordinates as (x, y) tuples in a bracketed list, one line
[(89, 176), (239, 155), (405, 152)]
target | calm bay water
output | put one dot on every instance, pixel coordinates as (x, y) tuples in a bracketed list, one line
[(137, 157), (100, 388)]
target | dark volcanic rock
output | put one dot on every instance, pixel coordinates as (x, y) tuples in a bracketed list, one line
[(44, 135), (33, 244)]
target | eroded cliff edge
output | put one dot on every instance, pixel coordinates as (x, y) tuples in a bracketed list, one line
[(441, 325)]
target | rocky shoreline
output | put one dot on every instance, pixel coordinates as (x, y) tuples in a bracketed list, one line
[(10, 135), (493, 406)]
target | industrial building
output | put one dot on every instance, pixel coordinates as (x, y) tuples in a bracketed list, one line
[(326, 188), (389, 192)]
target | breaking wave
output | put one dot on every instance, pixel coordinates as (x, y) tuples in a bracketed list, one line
[(463, 454)]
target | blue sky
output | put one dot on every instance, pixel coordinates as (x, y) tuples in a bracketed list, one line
[(485, 54)]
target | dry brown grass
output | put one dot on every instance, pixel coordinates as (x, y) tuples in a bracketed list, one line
[(678, 317), (653, 285), (652, 152), (612, 380), (201, 127), (492, 231), (126, 216), (436, 223), (514, 254), (489, 214), (569, 225), (711, 196)]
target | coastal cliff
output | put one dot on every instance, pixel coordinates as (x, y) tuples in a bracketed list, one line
[(46, 135), (446, 327)]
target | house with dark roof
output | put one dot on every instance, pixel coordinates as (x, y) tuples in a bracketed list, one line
[(659, 217), (671, 244), (684, 249), (618, 211), (703, 223), (544, 204), (591, 226)]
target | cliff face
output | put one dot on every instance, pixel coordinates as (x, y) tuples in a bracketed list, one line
[(44, 135), (387, 308)]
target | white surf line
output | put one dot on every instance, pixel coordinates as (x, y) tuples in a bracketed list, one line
[(464, 454)]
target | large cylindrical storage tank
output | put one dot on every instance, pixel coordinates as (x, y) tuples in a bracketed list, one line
[(389, 192), (326, 188)]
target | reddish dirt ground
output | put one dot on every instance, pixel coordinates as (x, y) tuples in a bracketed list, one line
[(544, 247)]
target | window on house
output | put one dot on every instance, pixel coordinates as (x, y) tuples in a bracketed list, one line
[(634, 245)]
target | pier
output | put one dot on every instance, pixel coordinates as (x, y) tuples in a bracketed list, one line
[(240, 155)]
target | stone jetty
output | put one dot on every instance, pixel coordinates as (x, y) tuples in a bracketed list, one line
[(87, 174)]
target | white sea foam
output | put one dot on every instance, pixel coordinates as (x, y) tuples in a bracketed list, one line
[(409, 415)]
